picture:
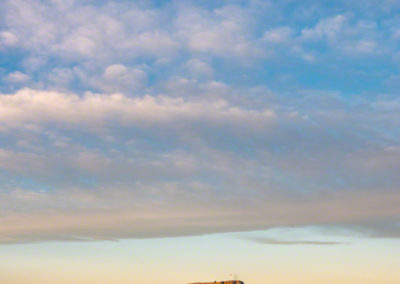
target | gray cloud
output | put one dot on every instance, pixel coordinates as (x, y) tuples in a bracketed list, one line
[(163, 166), (133, 120)]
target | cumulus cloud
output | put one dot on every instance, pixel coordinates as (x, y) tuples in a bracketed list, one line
[(17, 77), (8, 38), (117, 78), (221, 32), (82, 38), (328, 28), (278, 35), (77, 32), (343, 34), (199, 68)]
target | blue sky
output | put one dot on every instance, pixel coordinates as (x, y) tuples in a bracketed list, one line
[(126, 120)]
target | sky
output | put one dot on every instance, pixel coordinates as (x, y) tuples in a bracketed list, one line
[(178, 141)]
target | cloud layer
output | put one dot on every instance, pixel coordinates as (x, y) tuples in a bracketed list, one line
[(134, 120)]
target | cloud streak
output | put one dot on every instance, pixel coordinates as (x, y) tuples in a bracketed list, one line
[(271, 241), (95, 109)]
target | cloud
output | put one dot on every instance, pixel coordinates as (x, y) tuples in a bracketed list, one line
[(221, 32), (278, 35), (199, 68), (77, 31), (17, 77), (116, 78), (144, 212), (362, 46), (328, 28), (103, 166), (30, 106), (8, 38), (271, 241), (342, 34), (85, 38), (133, 119)]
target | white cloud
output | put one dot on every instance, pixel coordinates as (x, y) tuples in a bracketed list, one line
[(278, 35), (217, 32), (17, 77), (95, 109), (329, 28), (361, 47), (8, 39), (119, 78), (199, 68), (74, 31), (343, 34), (60, 77)]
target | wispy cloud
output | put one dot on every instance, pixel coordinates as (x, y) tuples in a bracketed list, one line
[(271, 241)]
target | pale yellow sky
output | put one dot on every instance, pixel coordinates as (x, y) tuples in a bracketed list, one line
[(207, 258)]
